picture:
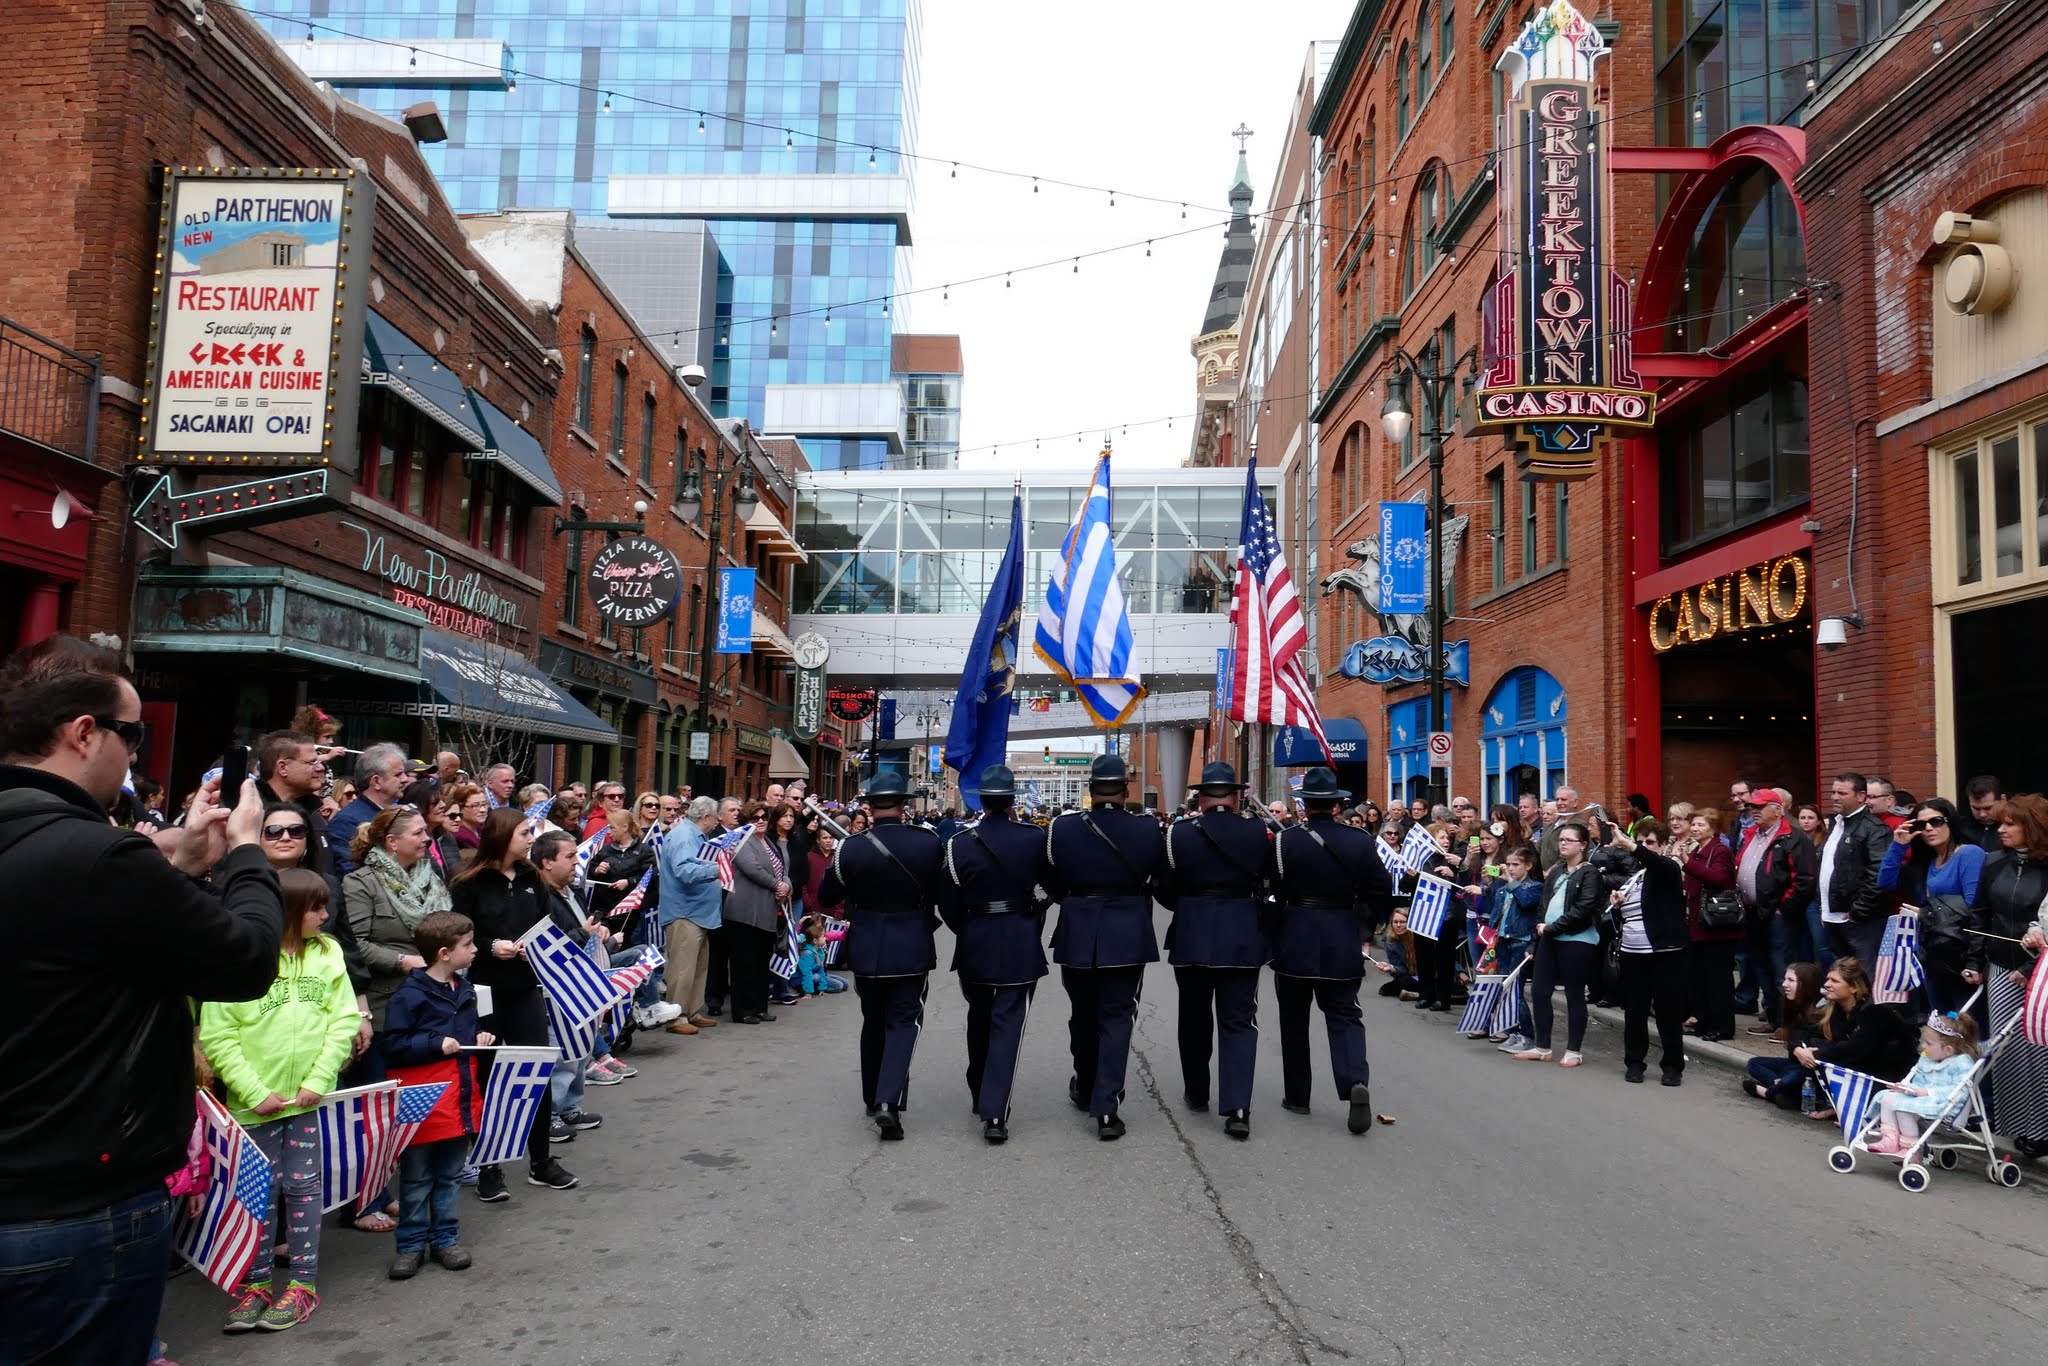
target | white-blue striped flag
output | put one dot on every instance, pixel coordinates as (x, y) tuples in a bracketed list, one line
[(783, 964), (519, 1078), (1419, 848), (1851, 1092), (574, 984), (1084, 629), (414, 1104), (537, 814), (832, 945), (1898, 969), (1430, 904), (1481, 1006), (1390, 857), (354, 1125)]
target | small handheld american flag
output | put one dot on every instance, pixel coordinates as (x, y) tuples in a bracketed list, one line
[(223, 1239), (630, 902), (2034, 1012), (1430, 905), (1898, 959), (630, 979), (719, 851), (413, 1106)]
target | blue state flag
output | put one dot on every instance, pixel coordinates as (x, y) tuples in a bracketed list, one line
[(1404, 555), (979, 733), (1084, 630), (735, 611)]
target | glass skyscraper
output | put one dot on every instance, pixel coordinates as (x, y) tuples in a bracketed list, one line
[(778, 122)]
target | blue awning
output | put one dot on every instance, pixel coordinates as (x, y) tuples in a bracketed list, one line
[(1296, 747), (394, 361), (481, 684), (508, 444)]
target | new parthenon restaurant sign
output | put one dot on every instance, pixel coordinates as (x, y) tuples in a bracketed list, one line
[(1558, 367)]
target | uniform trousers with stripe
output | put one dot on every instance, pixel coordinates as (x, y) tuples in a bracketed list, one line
[(1219, 1005), (1337, 998), (891, 1016), (1105, 1008), (995, 1037)]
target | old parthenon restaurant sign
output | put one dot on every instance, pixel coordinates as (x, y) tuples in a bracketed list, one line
[(1558, 368)]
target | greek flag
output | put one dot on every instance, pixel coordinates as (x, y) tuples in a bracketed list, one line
[(576, 987), (1431, 903), (1419, 848), (783, 964), (354, 1125), (835, 935), (1390, 857), (1480, 1007), (519, 1078), (1084, 629), (587, 850), (1851, 1092), (1898, 959), (537, 814)]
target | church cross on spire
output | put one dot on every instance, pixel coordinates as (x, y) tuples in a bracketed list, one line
[(1240, 133)]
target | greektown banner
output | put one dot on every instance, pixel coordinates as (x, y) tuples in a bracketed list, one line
[(735, 612), (256, 343), (1559, 368)]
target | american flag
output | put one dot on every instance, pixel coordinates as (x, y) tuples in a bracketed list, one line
[(2034, 1013), (630, 902), (1268, 683), (226, 1236), (1898, 959), (1427, 909), (519, 1078), (1851, 1092), (719, 851), (630, 979), (355, 1126), (415, 1103), (1480, 1006)]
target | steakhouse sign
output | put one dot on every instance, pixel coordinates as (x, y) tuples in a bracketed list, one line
[(1559, 365)]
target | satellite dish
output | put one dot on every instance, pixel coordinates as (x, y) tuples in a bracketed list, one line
[(60, 510)]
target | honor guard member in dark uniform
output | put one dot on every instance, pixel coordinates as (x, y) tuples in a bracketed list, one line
[(1332, 888), (1219, 870), (991, 898), (1105, 865), (888, 877)]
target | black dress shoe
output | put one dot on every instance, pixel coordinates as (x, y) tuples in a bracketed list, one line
[(1237, 1124), (1199, 1104), (765, 1017), (1297, 1107), (1109, 1128), (1711, 1036), (889, 1122), (1634, 1073), (873, 1109), (995, 1131), (1673, 1078), (1074, 1093), (1360, 1118), (1425, 1004), (1439, 1006)]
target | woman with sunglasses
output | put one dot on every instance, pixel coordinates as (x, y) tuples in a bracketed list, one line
[(286, 839), (469, 806), (1930, 868)]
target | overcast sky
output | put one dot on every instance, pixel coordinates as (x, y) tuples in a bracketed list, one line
[(1130, 94)]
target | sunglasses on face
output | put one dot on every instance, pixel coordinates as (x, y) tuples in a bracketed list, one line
[(284, 832), (131, 733), (1927, 823)]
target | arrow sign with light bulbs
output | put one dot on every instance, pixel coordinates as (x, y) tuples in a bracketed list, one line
[(162, 512)]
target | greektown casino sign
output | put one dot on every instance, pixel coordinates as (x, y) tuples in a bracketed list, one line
[(1558, 368)]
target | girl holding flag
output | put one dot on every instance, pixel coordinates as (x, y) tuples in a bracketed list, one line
[(276, 1056)]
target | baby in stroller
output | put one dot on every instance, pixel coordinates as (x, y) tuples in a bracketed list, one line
[(1948, 1051)]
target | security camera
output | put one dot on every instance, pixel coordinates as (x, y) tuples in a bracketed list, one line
[(692, 375), (1832, 633)]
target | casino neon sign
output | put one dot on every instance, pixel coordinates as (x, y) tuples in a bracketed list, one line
[(1557, 346)]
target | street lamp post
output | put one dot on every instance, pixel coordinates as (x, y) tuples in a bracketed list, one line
[(690, 504), (1395, 416)]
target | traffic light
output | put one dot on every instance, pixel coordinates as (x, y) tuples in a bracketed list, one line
[(1048, 753)]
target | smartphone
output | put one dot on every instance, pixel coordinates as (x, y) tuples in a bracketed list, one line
[(234, 771)]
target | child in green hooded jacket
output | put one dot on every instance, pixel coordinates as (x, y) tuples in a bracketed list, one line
[(276, 1057)]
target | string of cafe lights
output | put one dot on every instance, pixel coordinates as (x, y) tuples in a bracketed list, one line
[(1810, 66), (1290, 213)]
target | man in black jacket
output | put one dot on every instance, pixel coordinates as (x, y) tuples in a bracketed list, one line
[(1852, 909), (96, 1074)]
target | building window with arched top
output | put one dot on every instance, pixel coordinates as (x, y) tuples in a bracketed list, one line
[(1423, 37), (1401, 93)]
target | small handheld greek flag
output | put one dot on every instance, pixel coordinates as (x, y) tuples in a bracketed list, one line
[(835, 935), (1851, 1092), (1481, 1006), (783, 964), (1390, 857), (574, 984), (1898, 959), (519, 1078), (1419, 848), (354, 1126), (1431, 903)]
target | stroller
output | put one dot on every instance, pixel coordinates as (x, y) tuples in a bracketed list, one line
[(1963, 1126)]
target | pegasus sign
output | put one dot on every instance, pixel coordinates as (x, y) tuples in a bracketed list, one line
[(1398, 653)]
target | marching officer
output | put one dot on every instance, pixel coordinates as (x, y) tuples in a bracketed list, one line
[(991, 899), (1219, 867), (1332, 888), (1105, 863), (888, 877)]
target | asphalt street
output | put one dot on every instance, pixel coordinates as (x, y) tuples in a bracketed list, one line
[(736, 1207)]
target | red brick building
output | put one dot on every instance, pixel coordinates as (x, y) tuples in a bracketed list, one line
[(1926, 186)]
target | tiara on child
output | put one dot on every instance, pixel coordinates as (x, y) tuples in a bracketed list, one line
[(1945, 1025)]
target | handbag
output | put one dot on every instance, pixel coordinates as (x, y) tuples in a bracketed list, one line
[(1722, 911)]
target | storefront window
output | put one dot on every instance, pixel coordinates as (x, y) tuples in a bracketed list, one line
[(1747, 255), (1728, 468), (1522, 736), (2005, 505), (1969, 547)]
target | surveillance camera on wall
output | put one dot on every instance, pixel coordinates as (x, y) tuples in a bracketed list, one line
[(1832, 633), (692, 375)]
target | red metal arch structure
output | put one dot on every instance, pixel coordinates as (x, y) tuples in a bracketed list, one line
[(1682, 378)]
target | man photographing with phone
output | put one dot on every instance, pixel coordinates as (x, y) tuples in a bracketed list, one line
[(96, 1074)]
